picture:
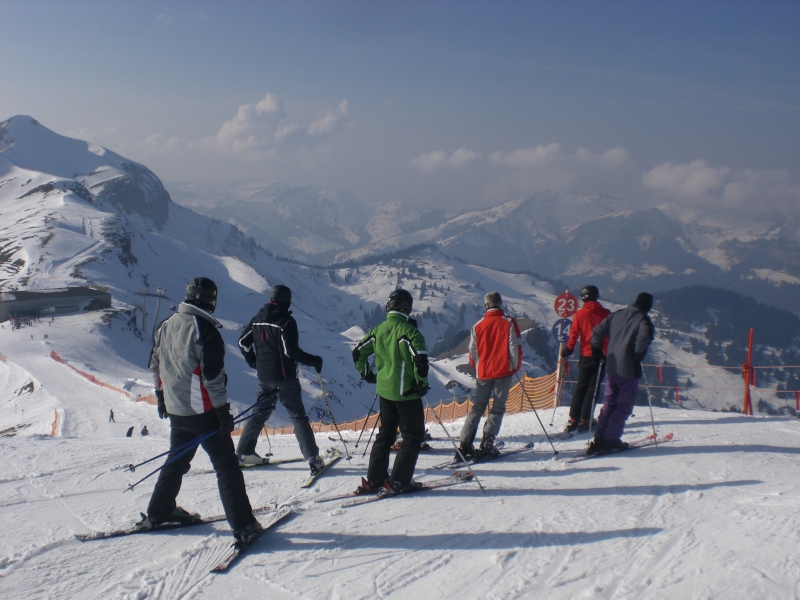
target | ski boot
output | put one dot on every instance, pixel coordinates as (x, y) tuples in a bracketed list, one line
[(468, 450), (620, 445), (596, 447), (395, 487), (178, 515), (367, 488), (316, 463), (572, 425), (249, 533), (487, 448), (251, 460)]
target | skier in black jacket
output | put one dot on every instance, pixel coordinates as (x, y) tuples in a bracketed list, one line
[(270, 344)]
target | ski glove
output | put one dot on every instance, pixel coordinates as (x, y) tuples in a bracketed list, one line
[(638, 356), (370, 377), (316, 362), (225, 418), (566, 351), (597, 355), (162, 406), (420, 388)]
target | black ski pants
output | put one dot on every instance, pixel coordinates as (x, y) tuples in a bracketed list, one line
[(220, 450), (581, 404), (410, 416)]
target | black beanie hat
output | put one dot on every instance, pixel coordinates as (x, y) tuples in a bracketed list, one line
[(280, 294), (644, 302)]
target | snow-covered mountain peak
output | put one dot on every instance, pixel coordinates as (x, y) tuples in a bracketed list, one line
[(110, 179)]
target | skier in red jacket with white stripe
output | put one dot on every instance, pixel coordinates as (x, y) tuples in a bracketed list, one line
[(495, 352), (586, 319)]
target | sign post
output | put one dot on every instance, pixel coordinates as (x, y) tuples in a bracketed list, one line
[(565, 305)]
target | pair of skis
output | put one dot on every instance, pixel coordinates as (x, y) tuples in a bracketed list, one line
[(650, 440), (456, 463), (356, 499), (275, 516)]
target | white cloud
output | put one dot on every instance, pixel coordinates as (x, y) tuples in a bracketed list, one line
[(747, 190), (429, 162), (435, 160), (259, 130), (331, 121), (462, 157), (693, 180)]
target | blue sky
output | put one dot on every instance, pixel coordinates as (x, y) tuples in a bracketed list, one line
[(451, 104)]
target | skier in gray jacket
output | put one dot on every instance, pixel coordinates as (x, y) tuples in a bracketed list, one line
[(630, 332), (188, 369)]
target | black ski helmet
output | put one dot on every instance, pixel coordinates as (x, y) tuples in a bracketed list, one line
[(202, 292), (400, 300), (644, 302), (280, 294), (589, 292)]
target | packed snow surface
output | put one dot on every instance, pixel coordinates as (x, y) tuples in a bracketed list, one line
[(713, 514)]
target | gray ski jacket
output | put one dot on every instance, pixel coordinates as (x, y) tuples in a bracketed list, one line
[(628, 330), (188, 362)]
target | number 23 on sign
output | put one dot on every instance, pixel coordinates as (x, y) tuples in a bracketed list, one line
[(565, 305)]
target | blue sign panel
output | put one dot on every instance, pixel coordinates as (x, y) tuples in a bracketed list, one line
[(561, 329)]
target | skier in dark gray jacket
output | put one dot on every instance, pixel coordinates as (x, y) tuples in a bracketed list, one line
[(630, 332), (271, 344), (188, 369)]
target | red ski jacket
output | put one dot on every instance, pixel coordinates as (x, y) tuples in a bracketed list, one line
[(586, 319), (495, 346)]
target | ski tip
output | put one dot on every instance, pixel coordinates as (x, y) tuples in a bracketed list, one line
[(668, 437)]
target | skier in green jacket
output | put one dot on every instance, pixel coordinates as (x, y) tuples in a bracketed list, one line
[(401, 360)]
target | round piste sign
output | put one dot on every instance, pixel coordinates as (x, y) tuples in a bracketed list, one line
[(566, 305)]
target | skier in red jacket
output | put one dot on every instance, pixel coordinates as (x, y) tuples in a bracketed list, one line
[(495, 352), (586, 319)]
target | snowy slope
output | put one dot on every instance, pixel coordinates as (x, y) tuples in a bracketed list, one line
[(712, 514)]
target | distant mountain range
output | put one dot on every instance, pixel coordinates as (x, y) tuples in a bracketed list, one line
[(612, 242), (73, 213)]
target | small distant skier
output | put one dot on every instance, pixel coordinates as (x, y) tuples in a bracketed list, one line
[(586, 319), (130, 432), (144, 431), (270, 344), (495, 352), (401, 359), (111, 416), (188, 369), (629, 333)]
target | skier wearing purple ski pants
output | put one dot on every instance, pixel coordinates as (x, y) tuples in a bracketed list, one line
[(618, 404), (629, 333)]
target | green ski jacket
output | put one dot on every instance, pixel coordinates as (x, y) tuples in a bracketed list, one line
[(400, 357)]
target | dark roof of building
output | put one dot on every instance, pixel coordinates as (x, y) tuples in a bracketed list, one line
[(53, 293)]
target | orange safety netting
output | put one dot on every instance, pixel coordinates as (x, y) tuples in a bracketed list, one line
[(538, 392)]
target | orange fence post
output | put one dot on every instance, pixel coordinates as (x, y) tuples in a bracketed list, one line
[(747, 373)]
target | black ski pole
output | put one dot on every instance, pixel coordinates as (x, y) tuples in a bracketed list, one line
[(197, 441), (524, 391), (458, 450), (330, 412), (371, 433), (595, 395), (367, 419), (240, 417)]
